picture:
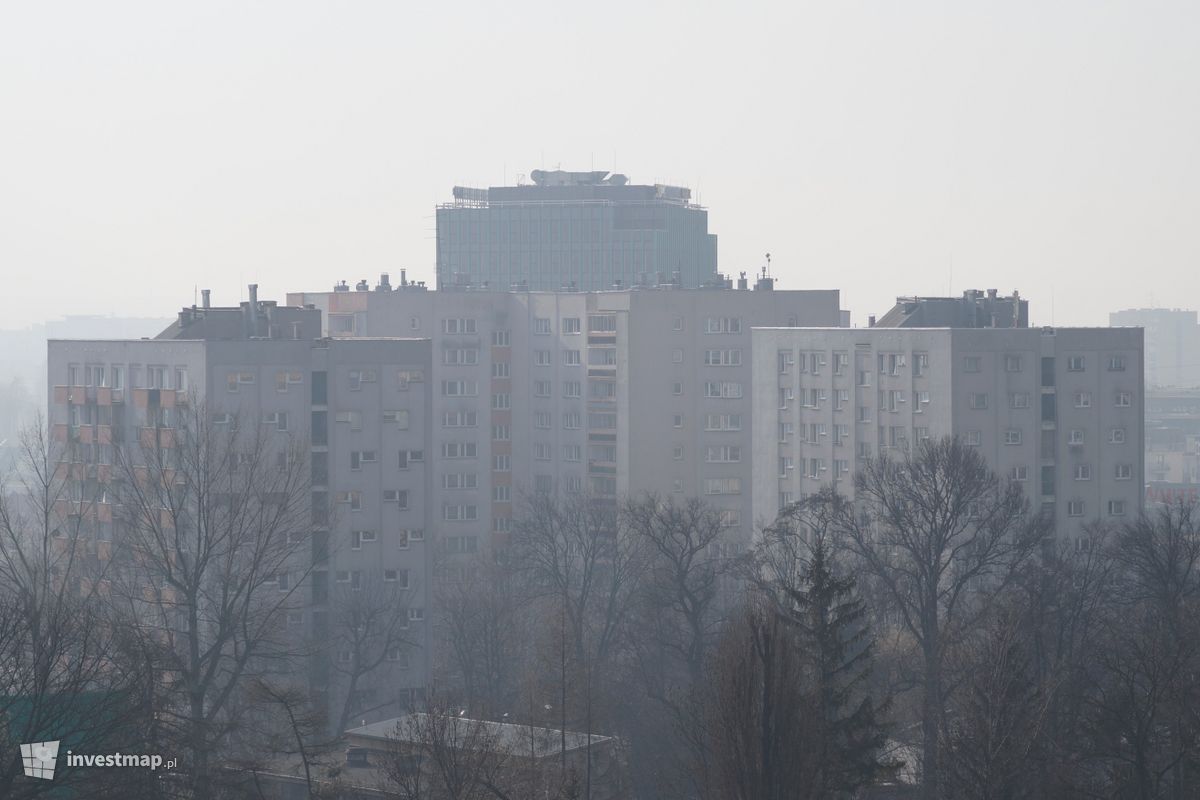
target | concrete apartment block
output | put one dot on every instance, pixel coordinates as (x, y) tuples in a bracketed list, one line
[(360, 409), (613, 393), (1059, 410)]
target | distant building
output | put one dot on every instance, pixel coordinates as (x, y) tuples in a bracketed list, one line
[(1172, 344), (975, 309), (361, 410), (611, 393), (579, 230), (1172, 437), (1059, 410)]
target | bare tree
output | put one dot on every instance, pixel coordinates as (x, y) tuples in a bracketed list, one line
[(215, 522), (1146, 705), (65, 671), (942, 535), (480, 627), (685, 569), (370, 629)]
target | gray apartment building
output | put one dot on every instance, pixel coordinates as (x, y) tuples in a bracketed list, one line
[(1172, 344), (1059, 410), (360, 409), (612, 393), (573, 230)]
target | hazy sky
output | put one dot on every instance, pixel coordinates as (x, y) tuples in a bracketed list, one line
[(881, 148)]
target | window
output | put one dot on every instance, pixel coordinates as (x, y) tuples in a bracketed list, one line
[(723, 422), (677, 420), (360, 457), (677, 356), (1075, 436), (841, 363), (1012, 436), (723, 454), (1075, 364), (677, 453), (1116, 508), (450, 419), (978, 400), (974, 438), (1018, 474), (352, 499), (1116, 363), (785, 359), (723, 358), (415, 323), (541, 326), (541, 358), (841, 466), (501, 338), (118, 378), (723, 486), (602, 356), (1124, 472), (570, 325), (677, 324), (501, 369), (971, 364), (920, 364), (458, 326), (286, 380), (785, 466), (572, 389), (501, 494), (1018, 400), (722, 389), (1083, 472), (572, 452), (358, 537), (572, 358), (418, 614), (541, 451), (543, 484), (406, 376), (1075, 508), (1012, 362), (461, 512), (351, 418), (602, 323), (841, 399), (921, 434), (397, 496), (501, 433), (399, 418), (502, 401), (235, 380), (460, 480), (460, 388), (1116, 436), (502, 463), (677, 388), (1124, 399), (459, 450), (460, 357), (543, 420), (723, 325), (276, 419), (541, 388), (358, 377), (1083, 399)]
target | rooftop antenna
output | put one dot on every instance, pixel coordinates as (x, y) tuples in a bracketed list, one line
[(767, 268)]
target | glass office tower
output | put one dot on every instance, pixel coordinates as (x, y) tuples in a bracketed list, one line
[(574, 230)]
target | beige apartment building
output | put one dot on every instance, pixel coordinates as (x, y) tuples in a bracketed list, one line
[(1058, 410), (614, 393)]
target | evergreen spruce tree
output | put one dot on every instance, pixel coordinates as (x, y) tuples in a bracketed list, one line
[(837, 647)]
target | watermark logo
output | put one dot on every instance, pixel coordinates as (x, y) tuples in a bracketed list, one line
[(39, 759)]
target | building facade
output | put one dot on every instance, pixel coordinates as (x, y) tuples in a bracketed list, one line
[(1059, 411), (612, 393), (1172, 344), (580, 230), (358, 409)]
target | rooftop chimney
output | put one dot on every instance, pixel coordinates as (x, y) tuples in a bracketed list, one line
[(871, 321), (404, 277), (206, 297), (384, 284), (252, 311)]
